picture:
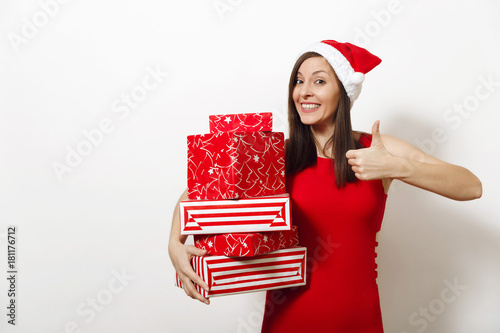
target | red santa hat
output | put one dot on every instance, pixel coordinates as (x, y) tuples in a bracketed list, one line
[(350, 63)]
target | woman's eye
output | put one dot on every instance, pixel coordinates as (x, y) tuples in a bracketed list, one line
[(298, 81), (320, 81)]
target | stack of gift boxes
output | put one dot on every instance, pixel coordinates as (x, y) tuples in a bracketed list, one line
[(238, 210)]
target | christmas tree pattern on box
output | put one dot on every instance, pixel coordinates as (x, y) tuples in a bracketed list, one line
[(231, 165)]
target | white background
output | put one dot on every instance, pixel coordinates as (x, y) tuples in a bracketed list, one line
[(112, 213)]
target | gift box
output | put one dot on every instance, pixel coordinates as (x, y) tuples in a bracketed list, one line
[(247, 244), (231, 165), (228, 275), (244, 122), (202, 217)]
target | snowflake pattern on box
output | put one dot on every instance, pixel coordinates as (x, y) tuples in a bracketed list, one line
[(247, 244), (231, 165), (244, 122)]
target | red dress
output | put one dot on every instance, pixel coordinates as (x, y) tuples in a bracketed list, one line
[(338, 227)]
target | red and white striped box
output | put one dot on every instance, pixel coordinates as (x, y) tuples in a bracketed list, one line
[(245, 122), (228, 275), (232, 165), (247, 244), (261, 214)]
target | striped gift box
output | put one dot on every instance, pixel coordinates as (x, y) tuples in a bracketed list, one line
[(271, 213), (227, 275)]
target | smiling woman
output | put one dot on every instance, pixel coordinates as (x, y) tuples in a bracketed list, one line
[(337, 180)]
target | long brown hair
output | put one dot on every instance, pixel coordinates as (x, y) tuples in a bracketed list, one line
[(301, 147)]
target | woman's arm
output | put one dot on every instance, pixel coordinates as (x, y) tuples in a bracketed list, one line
[(390, 158), (181, 255)]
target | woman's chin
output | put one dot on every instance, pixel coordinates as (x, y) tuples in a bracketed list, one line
[(307, 119)]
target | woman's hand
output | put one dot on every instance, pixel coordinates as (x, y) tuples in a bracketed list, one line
[(181, 255), (374, 162)]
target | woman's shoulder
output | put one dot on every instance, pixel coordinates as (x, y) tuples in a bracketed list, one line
[(364, 139)]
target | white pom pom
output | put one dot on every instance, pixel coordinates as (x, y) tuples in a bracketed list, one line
[(357, 78)]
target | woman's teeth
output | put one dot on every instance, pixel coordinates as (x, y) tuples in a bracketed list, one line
[(310, 106)]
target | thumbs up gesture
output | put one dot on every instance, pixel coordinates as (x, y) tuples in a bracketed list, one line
[(371, 163)]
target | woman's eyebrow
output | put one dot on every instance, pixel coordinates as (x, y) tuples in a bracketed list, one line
[(319, 71), (316, 72)]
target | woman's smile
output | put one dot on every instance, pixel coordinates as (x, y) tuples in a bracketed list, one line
[(309, 107)]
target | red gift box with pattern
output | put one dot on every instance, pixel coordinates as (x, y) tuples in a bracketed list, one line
[(243, 122), (261, 214), (229, 275), (247, 244), (231, 165)]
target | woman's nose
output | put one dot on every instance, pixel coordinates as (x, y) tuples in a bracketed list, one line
[(306, 90)]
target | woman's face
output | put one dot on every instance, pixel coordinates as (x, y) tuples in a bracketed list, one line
[(316, 92)]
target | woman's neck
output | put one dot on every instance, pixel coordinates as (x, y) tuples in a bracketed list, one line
[(321, 135)]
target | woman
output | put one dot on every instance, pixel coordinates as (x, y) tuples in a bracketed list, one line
[(338, 181)]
